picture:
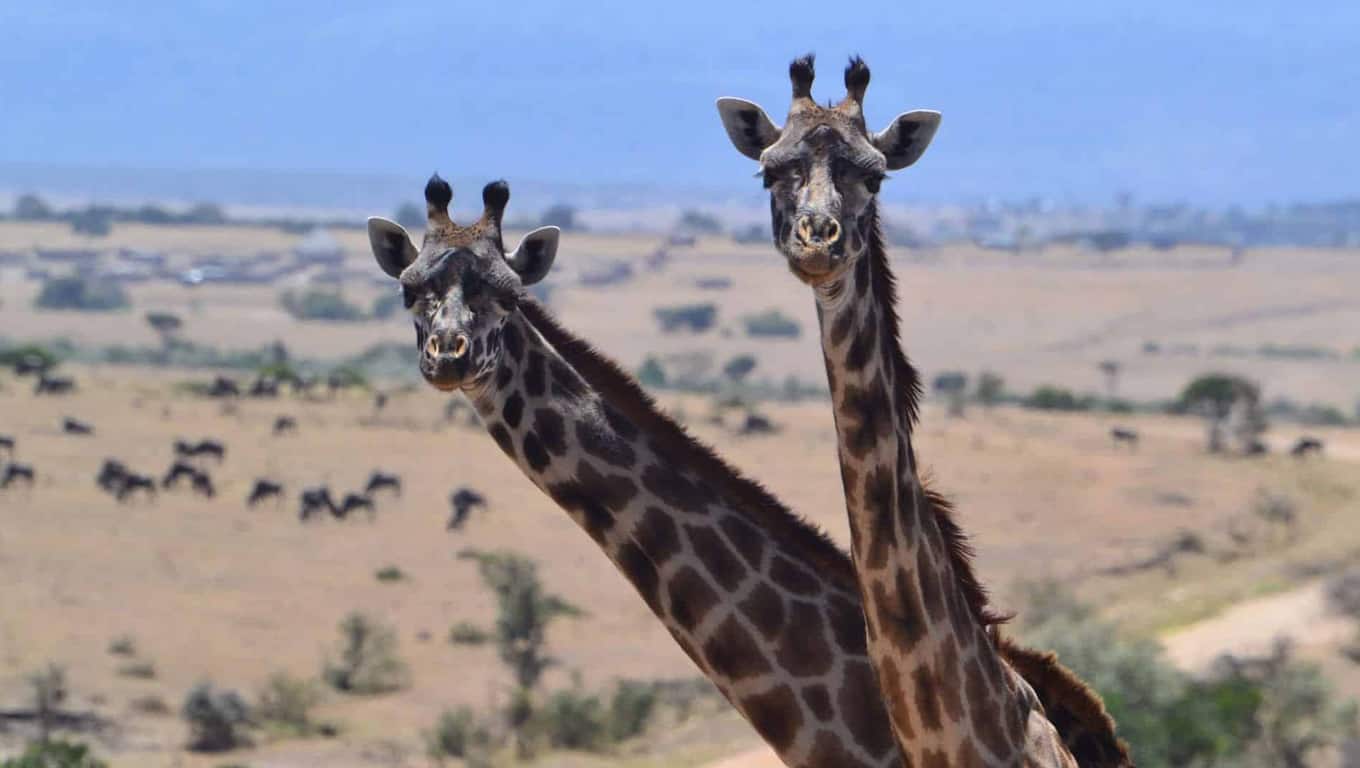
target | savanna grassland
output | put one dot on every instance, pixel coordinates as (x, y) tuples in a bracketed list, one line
[(208, 589)]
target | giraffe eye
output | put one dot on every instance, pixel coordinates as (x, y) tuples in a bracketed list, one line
[(408, 296), (873, 183)]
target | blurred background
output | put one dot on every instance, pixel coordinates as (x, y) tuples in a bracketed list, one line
[(1129, 269)]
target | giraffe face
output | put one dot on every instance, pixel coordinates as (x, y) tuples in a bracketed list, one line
[(824, 168), (461, 286)]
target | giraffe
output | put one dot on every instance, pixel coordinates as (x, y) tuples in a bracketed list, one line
[(957, 693), (761, 601)]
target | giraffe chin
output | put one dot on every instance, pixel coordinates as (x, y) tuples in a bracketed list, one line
[(444, 384)]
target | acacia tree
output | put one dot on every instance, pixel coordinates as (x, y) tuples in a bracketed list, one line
[(1224, 400), (953, 385), (1111, 370), (524, 612)]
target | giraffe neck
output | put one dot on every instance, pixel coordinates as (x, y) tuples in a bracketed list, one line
[(950, 696), (764, 605)]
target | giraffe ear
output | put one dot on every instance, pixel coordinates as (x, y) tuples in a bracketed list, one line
[(749, 128), (903, 142), (392, 247), (534, 255)]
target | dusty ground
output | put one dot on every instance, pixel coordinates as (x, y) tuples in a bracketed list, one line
[(211, 590)]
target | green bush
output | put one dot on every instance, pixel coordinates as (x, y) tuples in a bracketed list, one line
[(693, 317), (631, 708), (141, 670), (652, 375), (1272, 711), (573, 719), (467, 633), (389, 574), (1050, 398), (123, 645), (55, 754), (286, 704), (319, 304), (386, 305), (76, 293), (771, 323), (458, 733), (367, 662), (217, 718)]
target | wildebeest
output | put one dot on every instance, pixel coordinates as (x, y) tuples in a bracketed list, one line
[(7, 443), (1125, 436), (132, 482), (203, 485), (314, 501), (263, 489), (53, 385), (284, 425), (354, 502), (208, 447), (463, 501), (13, 473), (76, 427), (756, 424), (223, 387), (28, 365), (1305, 446), (264, 386), (1257, 448), (379, 401), (178, 471), (111, 474), (380, 480)]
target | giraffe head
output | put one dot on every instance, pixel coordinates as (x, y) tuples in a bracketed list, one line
[(461, 285), (824, 168)]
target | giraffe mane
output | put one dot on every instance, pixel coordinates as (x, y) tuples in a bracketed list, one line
[(624, 393), (908, 396), (1075, 710)]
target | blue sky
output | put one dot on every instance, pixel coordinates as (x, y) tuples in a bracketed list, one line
[(1213, 101)]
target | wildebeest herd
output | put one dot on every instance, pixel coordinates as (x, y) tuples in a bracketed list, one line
[(194, 461)]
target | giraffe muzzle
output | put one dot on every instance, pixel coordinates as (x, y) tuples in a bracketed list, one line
[(818, 230)]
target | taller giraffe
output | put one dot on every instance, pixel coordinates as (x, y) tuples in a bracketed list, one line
[(762, 602), (954, 689)]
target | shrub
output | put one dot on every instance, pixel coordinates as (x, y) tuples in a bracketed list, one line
[(990, 388), (389, 574), (631, 708), (386, 305), (560, 215), (76, 293), (1343, 593), (771, 323), (458, 733), (698, 221), (652, 375), (573, 719), (286, 703), (1050, 398), (123, 645), (55, 754), (467, 633), (693, 317), (141, 670), (739, 367), (367, 662), (92, 221), (217, 718), (323, 305), (150, 704)]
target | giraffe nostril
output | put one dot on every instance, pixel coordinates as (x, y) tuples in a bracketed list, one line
[(460, 346), (432, 346), (833, 231), (804, 229)]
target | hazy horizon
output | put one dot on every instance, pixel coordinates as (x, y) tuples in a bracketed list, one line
[(1217, 104)]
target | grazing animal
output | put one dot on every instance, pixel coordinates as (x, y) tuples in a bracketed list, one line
[(178, 471), (954, 692), (353, 502), (14, 473), (28, 365), (132, 483), (7, 443), (111, 474), (756, 424), (76, 427), (264, 387), (1257, 448), (285, 425), (224, 387), (315, 501), (264, 489), (203, 485), (48, 385), (213, 448), (380, 480), (1305, 446), (1124, 436), (379, 401), (463, 501)]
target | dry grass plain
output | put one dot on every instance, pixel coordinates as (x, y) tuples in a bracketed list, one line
[(211, 590)]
